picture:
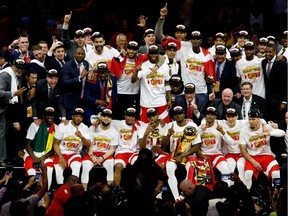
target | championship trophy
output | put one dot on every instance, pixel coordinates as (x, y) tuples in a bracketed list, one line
[(154, 136), (184, 143)]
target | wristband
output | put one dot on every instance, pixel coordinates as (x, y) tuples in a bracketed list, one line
[(168, 88)]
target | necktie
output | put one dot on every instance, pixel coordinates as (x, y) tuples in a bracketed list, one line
[(50, 95), (83, 81), (269, 68), (283, 51), (218, 72), (102, 87), (189, 111), (61, 62)]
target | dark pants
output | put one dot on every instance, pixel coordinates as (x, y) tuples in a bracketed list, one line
[(123, 102)]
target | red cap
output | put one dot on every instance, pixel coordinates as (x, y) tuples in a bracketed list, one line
[(171, 39)]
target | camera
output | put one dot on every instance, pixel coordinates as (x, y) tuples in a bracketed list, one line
[(276, 182), (36, 165), (208, 179), (37, 176), (226, 177), (164, 188)]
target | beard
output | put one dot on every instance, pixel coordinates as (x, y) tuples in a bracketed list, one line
[(106, 124), (99, 48)]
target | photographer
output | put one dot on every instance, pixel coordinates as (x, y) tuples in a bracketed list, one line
[(196, 196), (144, 180), (20, 205)]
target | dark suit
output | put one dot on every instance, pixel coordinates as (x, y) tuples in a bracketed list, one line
[(71, 86), (41, 71), (14, 54), (276, 88), (92, 93), (70, 45), (42, 100), (52, 63), (221, 108), (228, 78), (257, 102), (181, 101)]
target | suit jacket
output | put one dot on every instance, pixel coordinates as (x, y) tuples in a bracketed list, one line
[(14, 54), (181, 101), (70, 45), (70, 84), (52, 63), (5, 90), (17, 110), (41, 72), (92, 92), (276, 83), (221, 108), (258, 103), (228, 78), (42, 100)]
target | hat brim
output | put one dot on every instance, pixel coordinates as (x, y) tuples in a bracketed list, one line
[(196, 37), (78, 113), (220, 52), (189, 91), (102, 70), (178, 112), (21, 66), (211, 112), (49, 113)]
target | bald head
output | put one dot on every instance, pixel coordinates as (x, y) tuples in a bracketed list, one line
[(187, 187), (227, 96)]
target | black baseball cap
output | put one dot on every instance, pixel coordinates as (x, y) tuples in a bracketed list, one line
[(211, 110), (130, 111), (49, 111), (178, 110), (151, 112), (106, 112), (254, 113), (78, 111), (231, 112)]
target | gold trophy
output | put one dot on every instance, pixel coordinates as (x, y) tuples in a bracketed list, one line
[(154, 136), (183, 143)]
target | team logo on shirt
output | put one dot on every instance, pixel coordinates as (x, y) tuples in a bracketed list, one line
[(129, 69), (194, 65), (101, 142), (208, 139), (234, 135), (71, 142), (251, 72), (126, 134), (155, 79), (257, 141)]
